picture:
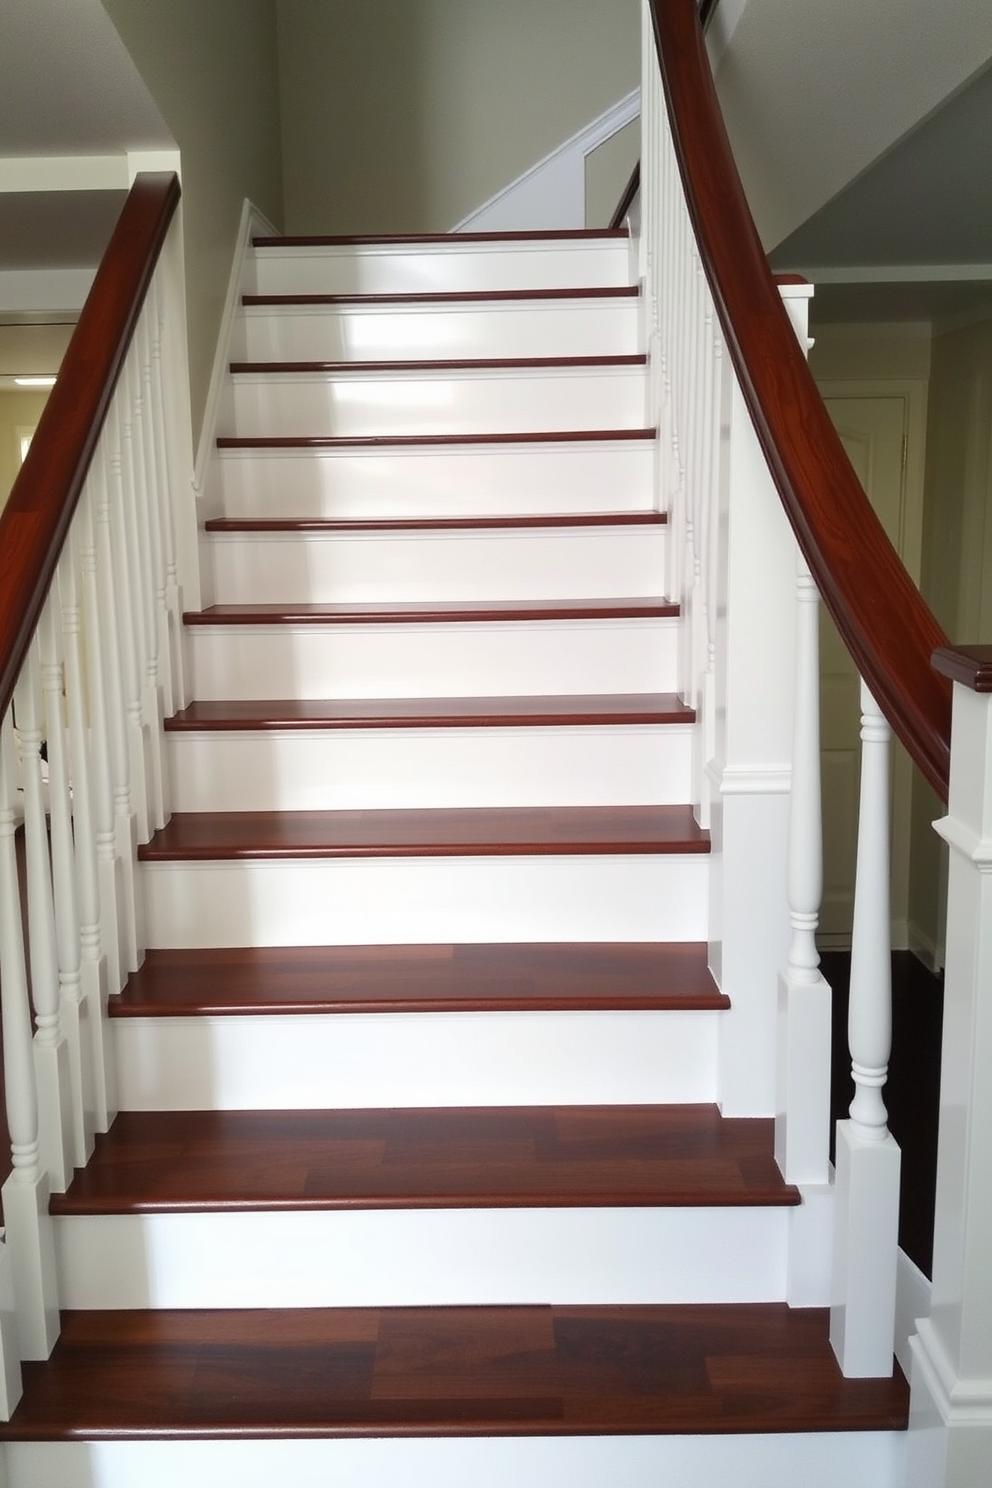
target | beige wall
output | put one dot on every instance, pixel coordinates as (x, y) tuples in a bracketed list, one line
[(608, 170), (957, 552), (211, 68), (407, 115), (18, 410)]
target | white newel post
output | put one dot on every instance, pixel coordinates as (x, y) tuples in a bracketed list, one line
[(950, 1436), (29, 1238), (862, 1314)]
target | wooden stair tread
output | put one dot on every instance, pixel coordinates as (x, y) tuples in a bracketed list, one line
[(381, 612), (438, 524), (468, 712), (428, 441), (445, 298), (461, 1371), (477, 1157), (420, 978), (424, 832), (442, 365)]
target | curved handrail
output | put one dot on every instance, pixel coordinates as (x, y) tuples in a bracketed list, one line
[(628, 197), (878, 610), (35, 521)]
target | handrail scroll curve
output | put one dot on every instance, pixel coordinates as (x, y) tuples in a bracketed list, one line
[(879, 612)]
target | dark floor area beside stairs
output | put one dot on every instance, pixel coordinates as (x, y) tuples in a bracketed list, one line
[(912, 1094)]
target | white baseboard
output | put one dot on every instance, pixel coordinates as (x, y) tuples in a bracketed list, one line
[(551, 194), (252, 223), (912, 1302)]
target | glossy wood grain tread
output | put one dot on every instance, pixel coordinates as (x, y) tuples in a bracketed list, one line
[(468, 712), (440, 365), (433, 441), (454, 240), (439, 524), (453, 1371), (420, 978), (433, 612), (448, 298), (421, 832), (686, 1156)]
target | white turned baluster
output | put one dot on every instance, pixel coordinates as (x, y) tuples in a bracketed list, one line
[(111, 939), (25, 1193), (862, 1318), (168, 600), (869, 1025), (138, 514), (112, 625), (72, 1010), (50, 1050), (127, 588), (802, 1120)]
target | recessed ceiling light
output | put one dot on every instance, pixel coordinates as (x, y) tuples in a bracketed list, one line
[(35, 382)]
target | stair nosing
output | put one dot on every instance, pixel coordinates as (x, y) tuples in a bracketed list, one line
[(453, 612), (442, 298), (522, 521), (653, 710), (429, 441), (439, 366), (454, 240)]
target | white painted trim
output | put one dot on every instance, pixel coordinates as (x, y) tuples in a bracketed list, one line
[(913, 1291), (573, 150), (45, 289), (65, 173), (252, 222), (153, 160), (775, 780)]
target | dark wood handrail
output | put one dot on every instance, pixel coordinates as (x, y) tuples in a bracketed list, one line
[(877, 608), (628, 198), (35, 521)]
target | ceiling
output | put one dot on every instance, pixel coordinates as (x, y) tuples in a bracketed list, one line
[(910, 238)]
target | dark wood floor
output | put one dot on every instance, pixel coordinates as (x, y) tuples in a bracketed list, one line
[(462, 1371), (454, 832), (420, 978), (568, 1156)]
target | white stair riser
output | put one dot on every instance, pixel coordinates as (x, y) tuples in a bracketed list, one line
[(779, 1460), (424, 1257), (418, 901), (327, 568), (368, 769), (310, 1061), (434, 481), (296, 404), (445, 659), (379, 333), (444, 267)]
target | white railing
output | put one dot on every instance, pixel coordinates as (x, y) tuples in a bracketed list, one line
[(103, 669), (750, 666)]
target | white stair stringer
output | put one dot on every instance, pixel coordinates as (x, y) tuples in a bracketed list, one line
[(529, 562), (310, 1061), (426, 900), (365, 1257), (355, 482), (369, 768), (433, 659)]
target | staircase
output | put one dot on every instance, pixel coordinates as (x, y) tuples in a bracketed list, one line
[(420, 1173)]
